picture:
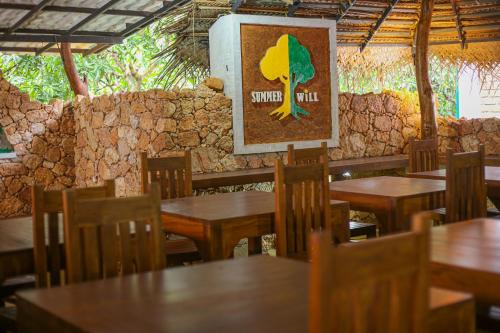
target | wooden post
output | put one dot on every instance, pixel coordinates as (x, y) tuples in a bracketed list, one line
[(78, 85), (425, 94)]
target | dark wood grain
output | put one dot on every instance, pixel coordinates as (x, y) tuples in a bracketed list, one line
[(48, 230), (392, 199), (423, 155), (225, 296), (364, 287), (119, 235), (466, 256), (174, 174), (260, 175), (491, 175), (218, 222), (302, 201)]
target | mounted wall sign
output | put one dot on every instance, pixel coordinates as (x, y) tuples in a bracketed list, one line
[(281, 75)]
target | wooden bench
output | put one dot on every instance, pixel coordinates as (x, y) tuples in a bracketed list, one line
[(261, 175)]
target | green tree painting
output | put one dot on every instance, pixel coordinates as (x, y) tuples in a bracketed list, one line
[(290, 62)]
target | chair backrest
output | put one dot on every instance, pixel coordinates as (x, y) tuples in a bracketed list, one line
[(47, 231), (302, 205), (378, 285), (173, 173), (112, 236), (307, 155), (423, 155), (465, 185)]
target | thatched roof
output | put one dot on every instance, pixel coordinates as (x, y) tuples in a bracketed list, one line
[(462, 31)]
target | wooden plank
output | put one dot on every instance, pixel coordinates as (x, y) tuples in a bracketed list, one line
[(185, 299), (261, 175)]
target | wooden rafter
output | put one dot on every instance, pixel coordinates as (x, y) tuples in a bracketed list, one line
[(62, 39), (458, 22), (99, 11), (344, 8), (73, 9), (28, 17), (379, 23)]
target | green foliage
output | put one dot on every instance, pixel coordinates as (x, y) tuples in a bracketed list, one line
[(133, 66), (125, 67), (301, 67), (444, 80)]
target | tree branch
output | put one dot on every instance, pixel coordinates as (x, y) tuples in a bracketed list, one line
[(79, 86)]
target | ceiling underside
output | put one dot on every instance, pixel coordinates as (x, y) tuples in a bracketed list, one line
[(90, 25), (363, 22)]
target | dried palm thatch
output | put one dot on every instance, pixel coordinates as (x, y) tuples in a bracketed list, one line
[(464, 34)]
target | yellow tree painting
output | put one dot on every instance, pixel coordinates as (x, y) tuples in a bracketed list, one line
[(290, 62)]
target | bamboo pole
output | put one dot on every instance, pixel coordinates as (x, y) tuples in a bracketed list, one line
[(425, 94), (78, 85)]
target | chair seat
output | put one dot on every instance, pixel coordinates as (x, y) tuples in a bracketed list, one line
[(361, 229), (10, 286), (181, 250), (8, 319)]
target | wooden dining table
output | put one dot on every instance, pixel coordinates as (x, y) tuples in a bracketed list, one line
[(255, 294), (392, 199), (217, 223), (491, 176), (466, 257)]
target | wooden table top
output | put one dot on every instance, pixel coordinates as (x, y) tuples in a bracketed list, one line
[(390, 187), (474, 245), (222, 206), (224, 296), (491, 174), (16, 234)]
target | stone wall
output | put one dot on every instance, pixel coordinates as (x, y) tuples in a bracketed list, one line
[(112, 130), (467, 134), (103, 136), (43, 139)]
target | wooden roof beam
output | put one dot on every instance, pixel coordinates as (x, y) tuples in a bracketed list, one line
[(379, 23), (29, 16), (61, 39), (73, 9), (83, 22), (344, 8), (460, 29)]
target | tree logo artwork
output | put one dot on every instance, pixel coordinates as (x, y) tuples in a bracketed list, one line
[(290, 62)]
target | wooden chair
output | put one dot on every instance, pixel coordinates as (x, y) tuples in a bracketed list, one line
[(423, 155), (48, 253), (302, 205), (308, 156), (380, 285), (174, 174), (109, 237), (465, 197)]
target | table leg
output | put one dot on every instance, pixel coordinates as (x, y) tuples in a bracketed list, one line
[(254, 245)]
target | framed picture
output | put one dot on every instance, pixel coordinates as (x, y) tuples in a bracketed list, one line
[(281, 76)]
